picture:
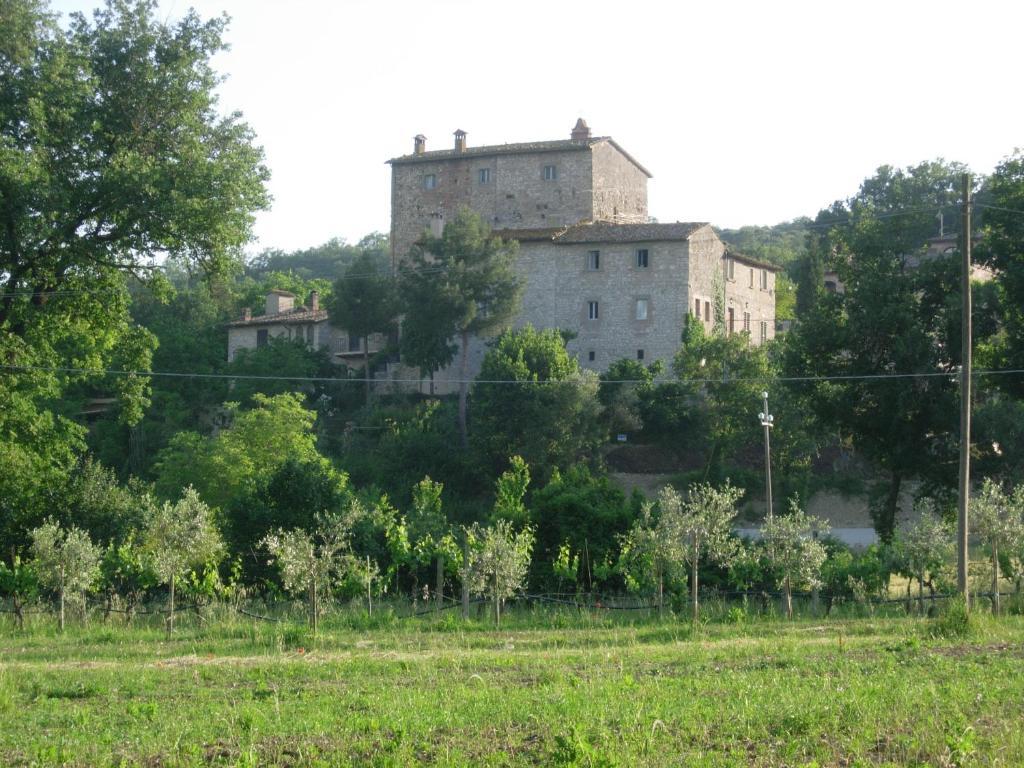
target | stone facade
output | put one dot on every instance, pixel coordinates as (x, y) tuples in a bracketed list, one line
[(310, 325), (516, 186), (590, 259)]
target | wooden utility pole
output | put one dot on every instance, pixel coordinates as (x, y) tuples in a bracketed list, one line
[(962, 528)]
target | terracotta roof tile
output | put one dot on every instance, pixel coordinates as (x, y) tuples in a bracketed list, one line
[(288, 317)]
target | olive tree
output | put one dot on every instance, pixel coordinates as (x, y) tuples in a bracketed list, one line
[(793, 551), (996, 518), (927, 546), (312, 563), (700, 528), (66, 561), (428, 531), (179, 537), (498, 561)]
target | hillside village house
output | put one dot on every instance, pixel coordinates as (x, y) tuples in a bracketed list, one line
[(591, 260)]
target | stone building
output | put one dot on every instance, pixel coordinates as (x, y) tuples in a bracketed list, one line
[(591, 260), (309, 324)]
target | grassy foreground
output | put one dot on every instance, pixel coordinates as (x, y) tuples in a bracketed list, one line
[(882, 691)]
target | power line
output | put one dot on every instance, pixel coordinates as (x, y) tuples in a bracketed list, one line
[(501, 382)]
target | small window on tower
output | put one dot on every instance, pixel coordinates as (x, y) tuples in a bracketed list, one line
[(550, 173), (641, 258), (591, 355), (484, 175), (593, 260), (430, 181), (641, 309), (639, 354), (592, 310)]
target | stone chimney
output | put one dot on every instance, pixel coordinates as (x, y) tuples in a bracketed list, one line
[(581, 132), (460, 140), (419, 144), (279, 301), (247, 313), (314, 300)]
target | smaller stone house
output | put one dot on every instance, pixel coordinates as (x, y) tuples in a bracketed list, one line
[(309, 324)]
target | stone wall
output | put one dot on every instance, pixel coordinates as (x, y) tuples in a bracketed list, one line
[(516, 196), (620, 188), (746, 295)]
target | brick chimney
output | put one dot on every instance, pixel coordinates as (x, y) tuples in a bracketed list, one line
[(314, 300), (581, 132), (247, 313), (460, 140), (419, 144)]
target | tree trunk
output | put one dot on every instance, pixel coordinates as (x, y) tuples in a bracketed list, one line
[(661, 594), (60, 598), (884, 517), (465, 578), (920, 592), (497, 604), (313, 606), (995, 579), (366, 366), (170, 612), (908, 604), (463, 388), (369, 591), (787, 588), (439, 596), (693, 581)]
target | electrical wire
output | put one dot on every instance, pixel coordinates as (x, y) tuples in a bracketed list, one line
[(505, 382)]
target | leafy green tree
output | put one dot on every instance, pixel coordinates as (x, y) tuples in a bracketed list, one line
[(510, 492), (998, 519), (625, 387), (499, 559), (700, 528), (66, 561), (125, 574), (280, 357), (721, 377), (647, 554), (19, 582), (794, 553), (550, 418), (328, 261), (179, 537), (364, 302), (884, 324), (584, 512), (291, 496), (113, 153), (430, 533), (229, 465), (461, 284)]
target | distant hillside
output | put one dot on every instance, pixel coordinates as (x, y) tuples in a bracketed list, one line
[(781, 244), (325, 262)]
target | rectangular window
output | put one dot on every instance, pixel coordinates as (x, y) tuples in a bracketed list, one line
[(309, 335), (261, 337), (550, 173), (751, 277), (746, 322), (641, 309), (696, 308), (593, 260), (707, 311), (764, 279), (730, 268), (641, 258), (764, 332), (430, 181), (591, 355), (732, 320), (592, 310), (355, 343), (639, 354), (484, 175)]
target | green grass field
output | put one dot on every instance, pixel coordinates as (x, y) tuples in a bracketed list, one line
[(558, 689)]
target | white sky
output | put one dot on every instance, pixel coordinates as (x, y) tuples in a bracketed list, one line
[(745, 112)]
